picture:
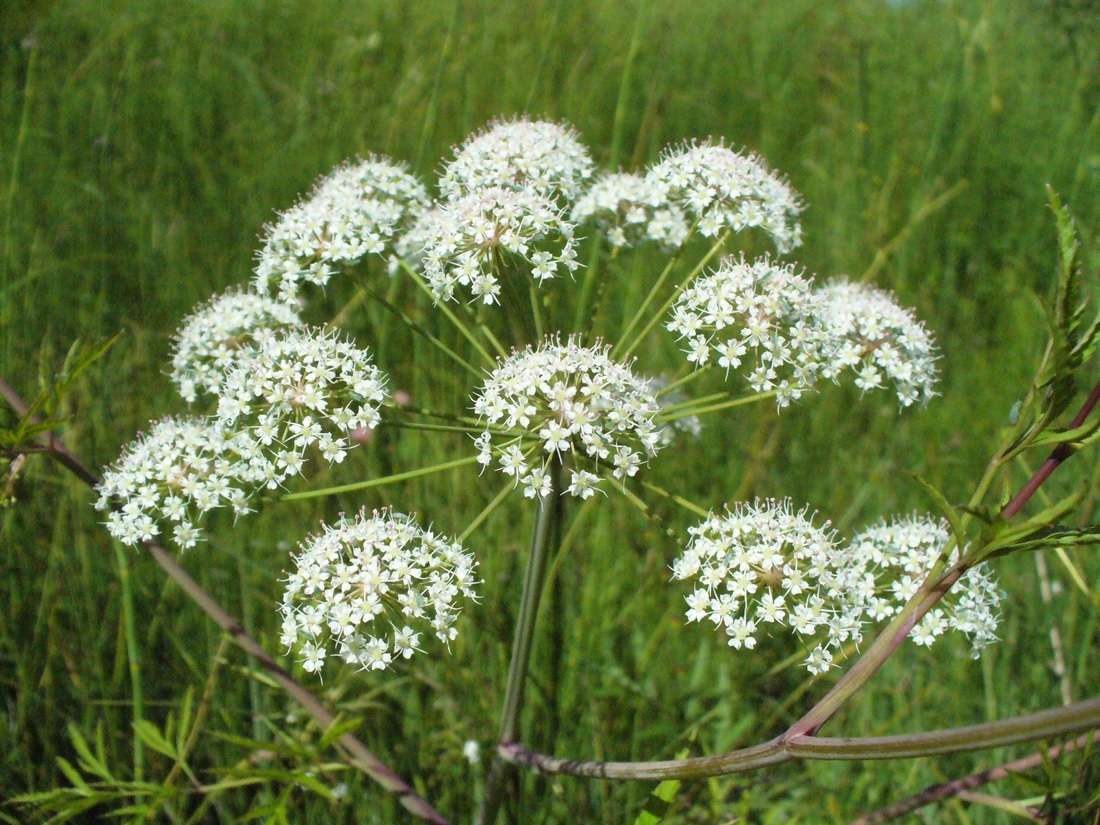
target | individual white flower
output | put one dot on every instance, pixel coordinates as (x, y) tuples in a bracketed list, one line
[(764, 564), (302, 388), (569, 403), (475, 240), (213, 339), (355, 210), (759, 319), (894, 557), (175, 473), (368, 588), (519, 154), (723, 189), (630, 209), (882, 342)]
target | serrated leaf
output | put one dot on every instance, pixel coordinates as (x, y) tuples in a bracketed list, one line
[(1071, 341)]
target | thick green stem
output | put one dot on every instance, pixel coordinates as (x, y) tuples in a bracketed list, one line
[(534, 578)]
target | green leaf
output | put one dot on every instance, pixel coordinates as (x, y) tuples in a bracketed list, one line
[(949, 512), (150, 734), (73, 775), (338, 728), (1072, 340), (1013, 537), (1077, 437), (90, 764)]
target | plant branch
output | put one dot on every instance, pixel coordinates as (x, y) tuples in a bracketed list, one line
[(357, 753), (381, 482), (1057, 456), (1062, 721), (946, 790)]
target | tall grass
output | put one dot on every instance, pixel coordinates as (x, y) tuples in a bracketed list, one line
[(143, 145)]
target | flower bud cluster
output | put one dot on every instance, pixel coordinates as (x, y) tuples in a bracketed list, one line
[(368, 588), (216, 337), (179, 470), (879, 340), (765, 564), (895, 556), (301, 388), (534, 155), (760, 317), (566, 402), (355, 210), (723, 189), (473, 240), (629, 210)]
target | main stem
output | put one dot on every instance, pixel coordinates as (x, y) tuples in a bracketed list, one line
[(521, 646)]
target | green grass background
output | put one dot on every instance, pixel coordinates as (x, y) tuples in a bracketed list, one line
[(144, 144)]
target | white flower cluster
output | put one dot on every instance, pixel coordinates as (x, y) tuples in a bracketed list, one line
[(473, 240), (367, 589), (879, 340), (533, 155), (629, 210), (724, 189), (355, 210), (179, 470), (213, 339), (762, 564), (895, 557), (301, 387), (295, 389), (759, 316), (560, 401)]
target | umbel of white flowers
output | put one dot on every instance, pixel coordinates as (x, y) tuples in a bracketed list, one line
[(368, 588), (294, 390), (763, 564), (213, 340), (512, 203), (569, 403)]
